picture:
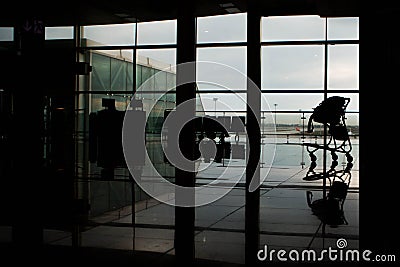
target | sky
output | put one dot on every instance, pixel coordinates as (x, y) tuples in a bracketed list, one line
[(283, 67)]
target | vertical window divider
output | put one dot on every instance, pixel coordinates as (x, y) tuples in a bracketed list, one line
[(325, 97), (134, 85)]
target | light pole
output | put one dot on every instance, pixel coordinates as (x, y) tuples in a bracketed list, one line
[(215, 105)]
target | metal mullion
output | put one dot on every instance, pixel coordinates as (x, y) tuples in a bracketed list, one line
[(309, 91), (157, 46), (210, 45), (127, 47), (317, 42), (277, 91)]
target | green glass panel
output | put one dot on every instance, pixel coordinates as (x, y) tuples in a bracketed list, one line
[(138, 76), (147, 78), (129, 77), (101, 68), (118, 75)]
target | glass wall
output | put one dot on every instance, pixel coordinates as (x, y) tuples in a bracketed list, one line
[(112, 78), (304, 60), (221, 78), (133, 71)]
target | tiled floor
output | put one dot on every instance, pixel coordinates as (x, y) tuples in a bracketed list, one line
[(286, 221)]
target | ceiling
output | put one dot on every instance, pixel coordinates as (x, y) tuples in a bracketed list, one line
[(91, 12)]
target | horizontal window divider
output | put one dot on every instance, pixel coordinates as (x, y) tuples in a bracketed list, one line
[(316, 42), (107, 93), (98, 178), (126, 47), (124, 180), (111, 47), (225, 91), (273, 111), (278, 91), (156, 46), (207, 45), (308, 91)]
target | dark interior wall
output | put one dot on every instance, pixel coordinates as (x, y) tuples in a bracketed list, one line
[(6, 73), (59, 85), (379, 74), (37, 112)]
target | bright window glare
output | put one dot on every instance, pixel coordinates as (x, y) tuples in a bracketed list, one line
[(113, 34), (290, 101), (157, 32), (52, 33), (343, 28), (224, 28), (343, 67), (292, 67), (292, 28), (6, 34), (226, 102), (229, 70)]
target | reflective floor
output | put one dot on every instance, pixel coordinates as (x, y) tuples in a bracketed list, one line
[(286, 220)]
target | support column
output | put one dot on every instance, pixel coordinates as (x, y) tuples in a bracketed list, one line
[(379, 68), (27, 143), (76, 227), (252, 208), (186, 52)]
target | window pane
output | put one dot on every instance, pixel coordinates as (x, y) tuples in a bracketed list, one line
[(101, 67), (52, 33), (290, 102), (292, 67), (157, 32), (129, 76), (147, 79), (343, 28), (293, 28), (171, 83), (113, 34), (343, 67), (160, 81), (171, 80), (161, 64), (220, 103), (110, 70), (160, 58), (221, 68), (118, 75), (6, 34), (224, 28), (138, 76)]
